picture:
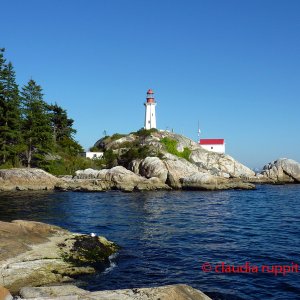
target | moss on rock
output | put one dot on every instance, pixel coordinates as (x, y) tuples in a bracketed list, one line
[(86, 250)]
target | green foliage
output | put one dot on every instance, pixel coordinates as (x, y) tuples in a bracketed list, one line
[(129, 144), (7, 165), (136, 152), (31, 129), (94, 149), (60, 123), (70, 164), (116, 136), (110, 158), (102, 144), (10, 113), (37, 131), (145, 132), (171, 147)]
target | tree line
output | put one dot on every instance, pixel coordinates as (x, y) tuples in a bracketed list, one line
[(33, 133)]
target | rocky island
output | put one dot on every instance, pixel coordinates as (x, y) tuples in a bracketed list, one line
[(154, 160)]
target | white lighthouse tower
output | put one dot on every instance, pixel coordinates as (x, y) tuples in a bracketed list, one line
[(150, 118)]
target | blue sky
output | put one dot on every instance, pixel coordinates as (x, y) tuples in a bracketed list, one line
[(232, 65)]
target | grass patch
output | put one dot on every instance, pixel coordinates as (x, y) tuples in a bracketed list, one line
[(171, 147), (145, 132), (116, 136)]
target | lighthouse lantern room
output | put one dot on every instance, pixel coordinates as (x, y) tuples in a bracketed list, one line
[(150, 117)]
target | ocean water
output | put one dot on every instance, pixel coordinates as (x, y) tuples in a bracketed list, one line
[(183, 237)]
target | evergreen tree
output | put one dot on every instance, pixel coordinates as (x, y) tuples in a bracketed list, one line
[(63, 130), (10, 114), (37, 129)]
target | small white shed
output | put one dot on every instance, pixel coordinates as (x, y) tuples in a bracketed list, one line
[(92, 155)]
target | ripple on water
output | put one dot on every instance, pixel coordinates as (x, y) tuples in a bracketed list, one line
[(167, 236)]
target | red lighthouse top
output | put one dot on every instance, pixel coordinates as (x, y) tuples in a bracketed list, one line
[(150, 96), (150, 92)]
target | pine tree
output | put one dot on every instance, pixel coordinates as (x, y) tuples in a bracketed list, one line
[(63, 130), (36, 127), (10, 114)]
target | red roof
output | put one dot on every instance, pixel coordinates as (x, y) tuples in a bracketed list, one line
[(211, 142), (150, 92)]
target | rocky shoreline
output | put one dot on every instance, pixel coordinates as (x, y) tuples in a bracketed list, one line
[(35, 257), (34, 253), (178, 174), (159, 170)]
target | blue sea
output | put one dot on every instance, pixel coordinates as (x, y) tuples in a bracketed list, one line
[(203, 239)]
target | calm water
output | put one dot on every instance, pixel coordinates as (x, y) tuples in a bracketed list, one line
[(167, 236)]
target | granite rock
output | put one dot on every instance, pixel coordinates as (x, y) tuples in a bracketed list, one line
[(69, 292), (282, 170), (26, 179), (34, 253)]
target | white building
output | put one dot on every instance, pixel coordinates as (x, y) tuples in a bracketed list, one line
[(214, 145), (150, 117), (92, 155)]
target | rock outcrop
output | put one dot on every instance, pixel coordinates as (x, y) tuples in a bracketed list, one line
[(116, 178), (178, 168), (206, 181), (215, 163), (26, 179), (282, 170), (179, 173), (153, 167), (34, 253), (220, 164), (70, 292)]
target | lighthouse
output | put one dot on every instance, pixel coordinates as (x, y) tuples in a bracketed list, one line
[(150, 118)]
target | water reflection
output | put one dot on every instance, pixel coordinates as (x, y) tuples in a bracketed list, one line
[(165, 236)]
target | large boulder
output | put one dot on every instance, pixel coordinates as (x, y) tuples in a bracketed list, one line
[(150, 167), (206, 181), (84, 185), (179, 173), (282, 170), (34, 253), (178, 168), (122, 179), (26, 179), (220, 164), (168, 292)]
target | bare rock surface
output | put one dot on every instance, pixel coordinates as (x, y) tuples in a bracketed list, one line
[(178, 168), (206, 181), (150, 167), (153, 167), (282, 170), (120, 178), (70, 292), (34, 253), (26, 179), (220, 164), (179, 173)]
